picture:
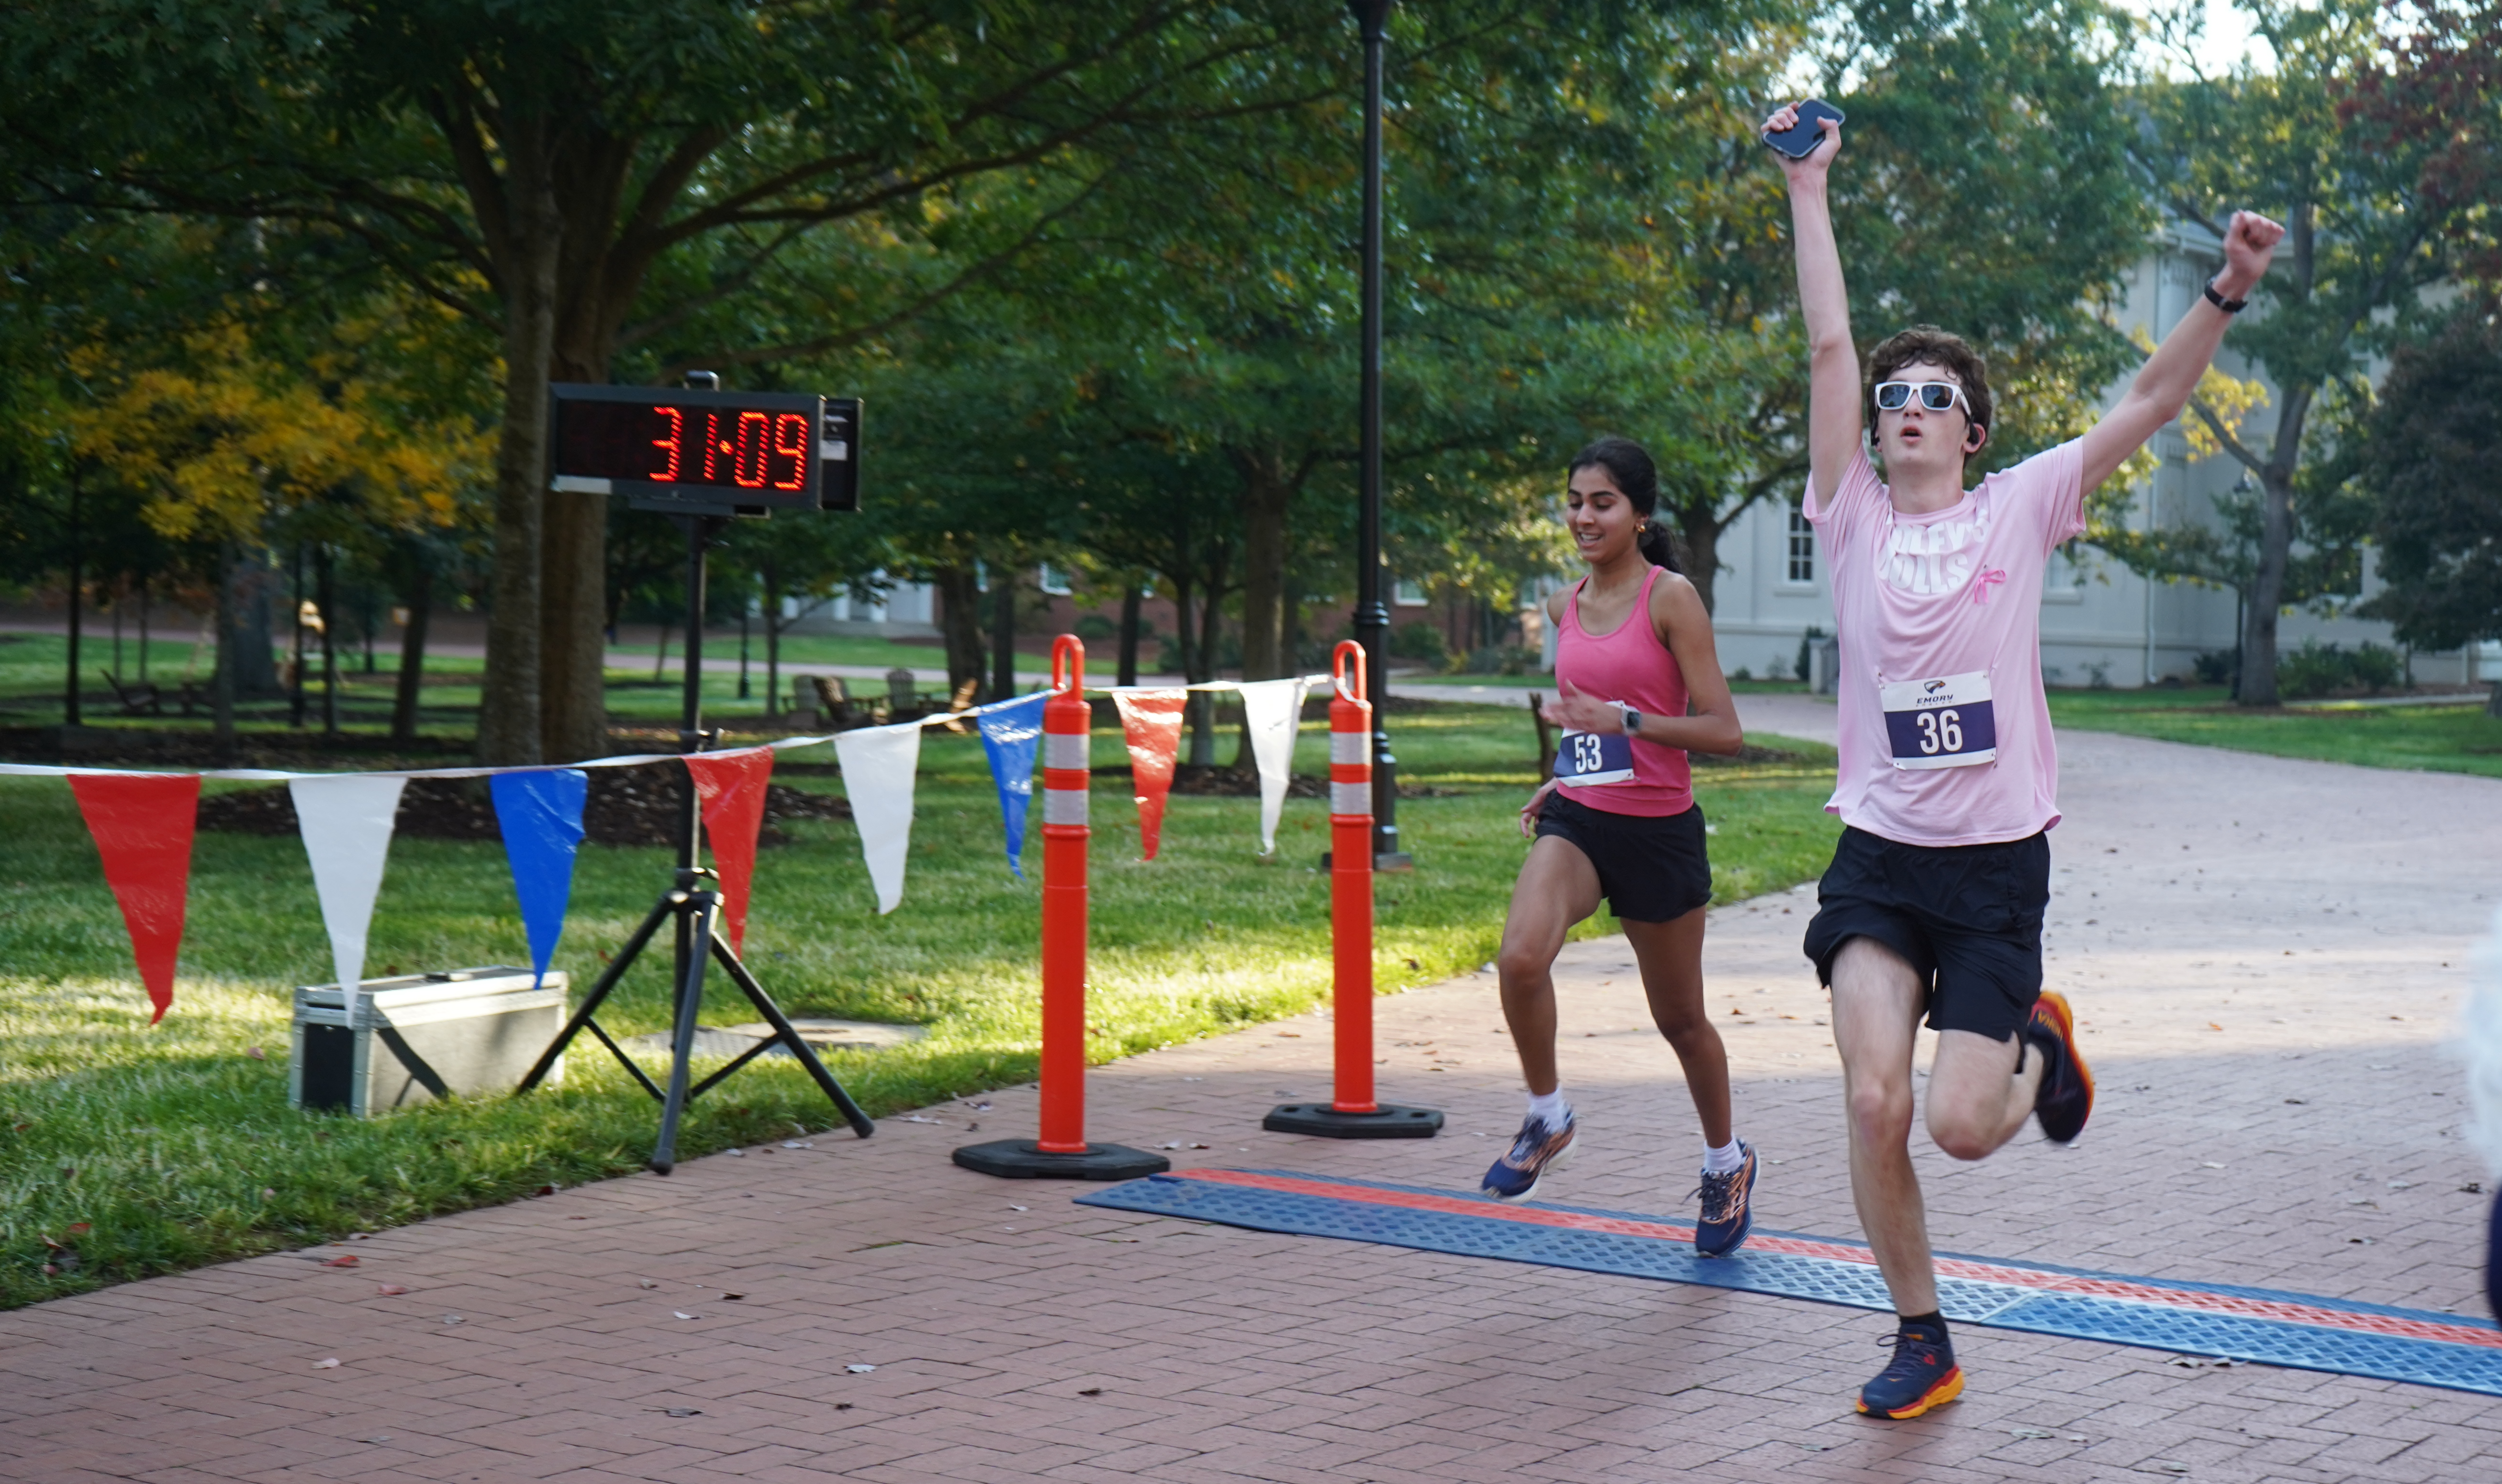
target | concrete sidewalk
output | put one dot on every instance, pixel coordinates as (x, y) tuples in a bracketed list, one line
[(2265, 952)]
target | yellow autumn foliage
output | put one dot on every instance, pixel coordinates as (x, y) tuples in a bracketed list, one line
[(226, 440)]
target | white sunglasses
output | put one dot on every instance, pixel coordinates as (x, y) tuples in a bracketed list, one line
[(1936, 396)]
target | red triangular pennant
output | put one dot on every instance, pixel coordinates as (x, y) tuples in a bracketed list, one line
[(731, 789), (143, 823), (1152, 721)]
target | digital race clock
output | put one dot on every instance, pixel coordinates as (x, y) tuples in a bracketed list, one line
[(705, 452)]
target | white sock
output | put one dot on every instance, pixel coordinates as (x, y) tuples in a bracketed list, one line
[(1550, 1108), (1725, 1159)]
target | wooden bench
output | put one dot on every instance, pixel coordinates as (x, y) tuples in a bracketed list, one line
[(140, 698)]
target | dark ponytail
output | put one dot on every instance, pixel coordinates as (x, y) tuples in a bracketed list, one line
[(1638, 477)]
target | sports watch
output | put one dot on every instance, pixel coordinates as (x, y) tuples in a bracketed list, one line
[(1633, 718)]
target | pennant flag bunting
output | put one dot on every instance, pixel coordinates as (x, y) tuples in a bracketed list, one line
[(1151, 721), (878, 764), (540, 816), (143, 823), (1270, 712), (730, 786), (1012, 732), (346, 821)]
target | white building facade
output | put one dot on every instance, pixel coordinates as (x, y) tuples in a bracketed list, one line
[(2101, 623)]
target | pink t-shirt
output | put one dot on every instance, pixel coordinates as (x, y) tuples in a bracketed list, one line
[(1944, 732)]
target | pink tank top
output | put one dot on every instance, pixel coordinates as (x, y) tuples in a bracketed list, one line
[(1629, 664)]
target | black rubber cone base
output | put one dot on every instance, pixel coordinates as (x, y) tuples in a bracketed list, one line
[(1020, 1160), (1386, 1122)]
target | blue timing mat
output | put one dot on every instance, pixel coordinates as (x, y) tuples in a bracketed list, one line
[(2263, 1326)]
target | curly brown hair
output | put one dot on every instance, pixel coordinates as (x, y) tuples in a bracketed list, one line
[(1926, 343)]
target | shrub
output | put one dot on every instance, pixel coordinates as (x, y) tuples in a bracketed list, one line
[(2217, 667), (1094, 628), (2324, 669), (1497, 659), (1419, 640), (1806, 654)]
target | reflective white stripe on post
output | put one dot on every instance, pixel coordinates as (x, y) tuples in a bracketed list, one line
[(1348, 747), (1067, 750), (1064, 806), (1351, 798)]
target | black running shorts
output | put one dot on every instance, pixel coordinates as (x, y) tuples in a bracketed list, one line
[(1966, 918), (1652, 867)]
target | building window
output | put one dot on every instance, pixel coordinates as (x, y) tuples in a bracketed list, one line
[(1407, 593), (1801, 546)]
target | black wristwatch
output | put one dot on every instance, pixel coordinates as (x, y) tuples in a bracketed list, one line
[(1632, 722), (2228, 306)]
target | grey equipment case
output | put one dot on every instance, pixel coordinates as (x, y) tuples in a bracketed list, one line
[(421, 1037)]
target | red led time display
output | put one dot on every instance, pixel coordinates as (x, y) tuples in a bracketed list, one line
[(691, 447)]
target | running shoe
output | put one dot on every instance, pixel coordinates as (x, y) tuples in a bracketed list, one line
[(2066, 1097), (1922, 1374), (1728, 1214), (1537, 1150)]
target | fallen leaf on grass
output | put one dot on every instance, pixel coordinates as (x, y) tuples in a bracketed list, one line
[(256, 1052), (391, 1290), (77, 1226)]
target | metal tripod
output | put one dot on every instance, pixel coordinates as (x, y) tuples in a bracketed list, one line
[(693, 908)]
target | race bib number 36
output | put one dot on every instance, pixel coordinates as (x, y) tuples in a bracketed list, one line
[(1943, 723), (1588, 757)]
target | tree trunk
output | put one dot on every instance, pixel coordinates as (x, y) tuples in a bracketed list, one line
[(1003, 630), (510, 711), (1266, 493), (295, 640), (143, 584), (223, 681), (772, 584), (1130, 596), (416, 592), (1702, 554), (326, 590), (1202, 737), (959, 621), (2276, 545), (71, 714), (573, 577)]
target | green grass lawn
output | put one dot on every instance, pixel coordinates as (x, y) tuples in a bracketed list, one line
[(2449, 739), (145, 1151)]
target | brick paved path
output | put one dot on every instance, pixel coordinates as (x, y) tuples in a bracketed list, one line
[(2320, 916)]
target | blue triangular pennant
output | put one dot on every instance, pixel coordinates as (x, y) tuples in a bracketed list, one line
[(540, 815), (1012, 732)]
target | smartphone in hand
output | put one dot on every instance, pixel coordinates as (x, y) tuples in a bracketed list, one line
[(1800, 140)]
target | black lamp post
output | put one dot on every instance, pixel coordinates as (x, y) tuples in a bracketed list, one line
[(1371, 610)]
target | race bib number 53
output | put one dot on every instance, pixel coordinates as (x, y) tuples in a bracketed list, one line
[(1941, 723), (1588, 757)]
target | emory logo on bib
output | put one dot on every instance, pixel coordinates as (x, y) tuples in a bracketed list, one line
[(1587, 757), (1943, 723)]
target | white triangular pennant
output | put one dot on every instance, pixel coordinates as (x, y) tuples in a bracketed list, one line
[(1271, 710), (878, 765), (347, 827)]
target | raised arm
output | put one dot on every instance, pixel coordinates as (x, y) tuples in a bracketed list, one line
[(2164, 383), (1833, 425)]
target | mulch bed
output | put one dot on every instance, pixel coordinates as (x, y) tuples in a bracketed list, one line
[(626, 806)]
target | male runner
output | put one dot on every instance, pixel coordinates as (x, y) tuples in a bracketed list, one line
[(1947, 777)]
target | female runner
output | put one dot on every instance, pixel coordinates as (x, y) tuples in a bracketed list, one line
[(1634, 647)]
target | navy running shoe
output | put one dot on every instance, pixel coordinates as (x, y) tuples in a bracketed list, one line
[(1922, 1374), (1728, 1207), (2065, 1098), (1536, 1150)]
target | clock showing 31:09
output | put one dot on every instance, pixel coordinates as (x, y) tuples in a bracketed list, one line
[(718, 452)]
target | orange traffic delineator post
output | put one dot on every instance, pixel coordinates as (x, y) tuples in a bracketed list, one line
[(1352, 1113), (1061, 1150)]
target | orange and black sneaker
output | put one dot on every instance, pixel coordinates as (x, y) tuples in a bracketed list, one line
[(1536, 1149), (1922, 1374), (1728, 1207), (2065, 1098)]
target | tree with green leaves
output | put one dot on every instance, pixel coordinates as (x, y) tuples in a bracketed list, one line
[(2369, 219), (611, 189), (2432, 462)]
